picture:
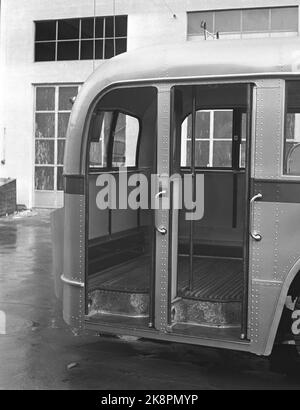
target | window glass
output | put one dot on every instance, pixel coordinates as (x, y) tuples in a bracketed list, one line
[(228, 21), (44, 152), (67, 50), (292, 129), (186, 135), (87, 28), (100, 27), (195, 19), (213, 139), (121, 45), (87, 50), (125, 141), (65, 96), (44, 125), (45, 99), (100, 130), (222, 149), (284, 18), (223, 124), (44, 52), (60, 152), (45, 30), (201, 153), (109, 49), (222, 154), (256, 20), (121, 26), (59, 179), (238, 23), (44, 178), (68, 29), (202, 124), (63, 121), (109, 27), (99, 49), (84, 39)]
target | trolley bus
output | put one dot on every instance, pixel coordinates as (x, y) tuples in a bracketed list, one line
[(225, 117)]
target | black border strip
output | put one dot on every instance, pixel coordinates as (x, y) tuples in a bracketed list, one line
[(74, 184), (278, 190)]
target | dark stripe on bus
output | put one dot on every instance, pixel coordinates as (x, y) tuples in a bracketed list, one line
[(278, 191), (74, 184)]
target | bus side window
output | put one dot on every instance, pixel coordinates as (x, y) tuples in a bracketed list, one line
[(113, 139), (125, 141), (292, 129), (99, 133)]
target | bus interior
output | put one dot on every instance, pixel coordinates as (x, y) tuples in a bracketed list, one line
[(209, 131)]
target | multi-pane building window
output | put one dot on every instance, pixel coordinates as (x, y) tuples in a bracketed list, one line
[(80, 39), (244, 23), (53, 107)]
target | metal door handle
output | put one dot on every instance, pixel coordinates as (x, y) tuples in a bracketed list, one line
[(161, 229), (255, 235), (160, 194)]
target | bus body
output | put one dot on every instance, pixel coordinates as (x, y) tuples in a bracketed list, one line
[(222, 118)]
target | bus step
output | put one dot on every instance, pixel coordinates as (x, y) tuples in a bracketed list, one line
[(102, 301), (218, 314)]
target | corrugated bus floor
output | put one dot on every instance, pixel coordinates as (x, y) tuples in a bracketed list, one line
[(213, 279)]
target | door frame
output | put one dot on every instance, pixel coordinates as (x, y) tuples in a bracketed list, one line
[(250, 127)]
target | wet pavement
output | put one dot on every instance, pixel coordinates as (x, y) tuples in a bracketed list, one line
[(39, 352)]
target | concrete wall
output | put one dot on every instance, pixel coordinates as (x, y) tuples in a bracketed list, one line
[(149, 22)]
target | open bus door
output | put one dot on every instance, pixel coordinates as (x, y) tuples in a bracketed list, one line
[(212, 141)]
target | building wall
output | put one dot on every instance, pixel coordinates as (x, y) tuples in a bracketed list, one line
[(149, 22)]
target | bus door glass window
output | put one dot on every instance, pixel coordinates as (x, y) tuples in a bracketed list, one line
[(213, 139), (292, 129)]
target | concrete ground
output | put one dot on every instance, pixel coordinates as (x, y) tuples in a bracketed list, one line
[(38, 348)]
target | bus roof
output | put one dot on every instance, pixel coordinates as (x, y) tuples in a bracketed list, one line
[(198, 59), (204, 58)]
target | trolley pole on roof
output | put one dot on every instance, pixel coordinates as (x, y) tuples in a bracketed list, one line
[(208, 34)]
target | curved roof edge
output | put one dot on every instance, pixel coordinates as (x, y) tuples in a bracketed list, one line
[(181, 60)]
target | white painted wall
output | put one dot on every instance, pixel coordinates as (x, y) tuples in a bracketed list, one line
[(149, 22)]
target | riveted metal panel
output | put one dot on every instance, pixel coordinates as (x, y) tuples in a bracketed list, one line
[(57, 234), (264, 298), (269, 129), (268, 83), (162, 216), (286, 239), (275, 255), (74, 260), (271, 260), (263, 253)]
